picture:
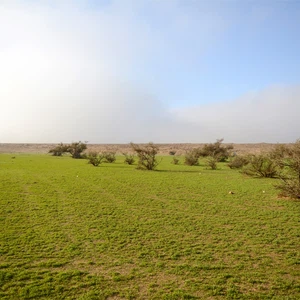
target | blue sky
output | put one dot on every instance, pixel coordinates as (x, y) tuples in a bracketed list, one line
[(115, 71), (257, 49)]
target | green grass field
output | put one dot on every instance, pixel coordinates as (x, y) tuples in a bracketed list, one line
[(73, 231)]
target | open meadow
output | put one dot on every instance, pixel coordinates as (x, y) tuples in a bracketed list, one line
[(73, 231)]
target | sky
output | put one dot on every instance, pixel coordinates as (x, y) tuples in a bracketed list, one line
[(166, 71)]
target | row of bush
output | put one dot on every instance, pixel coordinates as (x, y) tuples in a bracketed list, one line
[(282, 162), (146, 154), (75, 149)]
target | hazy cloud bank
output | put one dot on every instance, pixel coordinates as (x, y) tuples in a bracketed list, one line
[(270, 115), (67, 74)]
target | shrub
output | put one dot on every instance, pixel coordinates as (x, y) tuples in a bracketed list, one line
[(192, 157), (279, 153), (94, 158), (59, 150), (288, 160), (237, 162), (172, 152), (129, 158), (261, 166), (212, 162), (76, 149), (216, 150), (109, 156), (175, 161), (146, 155), (289, 187)]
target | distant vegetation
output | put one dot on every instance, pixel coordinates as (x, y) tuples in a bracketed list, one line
[(75, 149), (282, 162), (215, 152)]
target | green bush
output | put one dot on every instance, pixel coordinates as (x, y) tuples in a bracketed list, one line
[(289, 187), (216, 150), (261, 166), (129, 158), (146, 155), (94, 158), (175, 161), (59, 150), (211, 162), (287, 159), (237, 162), (76, 149), (109, 156), (192, 157)]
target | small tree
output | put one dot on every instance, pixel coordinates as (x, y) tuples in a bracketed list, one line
[(217, 150), (129, 158), (192, 157), (76, 149), (146, 155)]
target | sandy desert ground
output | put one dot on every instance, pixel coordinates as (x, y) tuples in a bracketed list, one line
[(121, 148)]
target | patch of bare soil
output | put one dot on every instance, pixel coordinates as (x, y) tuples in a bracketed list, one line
[(164, 149)]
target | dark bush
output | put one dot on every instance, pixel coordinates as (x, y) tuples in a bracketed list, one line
[(76, 149), (175, 161), (59, 150), (237, 162), (146, 155), (172, 152), (279, 153), (287, 159), (192, 157), (289, 187), (216, 150), (129, 158), (211, 162), (261, 166), (94, 158), (109, 156)]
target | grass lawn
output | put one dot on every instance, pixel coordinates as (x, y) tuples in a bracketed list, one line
[(73, 231)]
